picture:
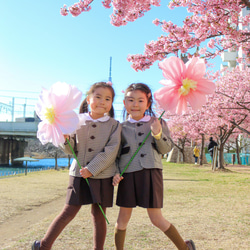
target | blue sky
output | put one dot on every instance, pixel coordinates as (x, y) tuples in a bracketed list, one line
[(39, 47)]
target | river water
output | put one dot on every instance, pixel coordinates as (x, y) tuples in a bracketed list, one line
[(42, 164)]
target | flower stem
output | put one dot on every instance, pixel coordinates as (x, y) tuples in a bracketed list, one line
[(137, 150), (86, 179)]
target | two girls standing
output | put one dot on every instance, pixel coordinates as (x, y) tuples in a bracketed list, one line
[(96, 144)]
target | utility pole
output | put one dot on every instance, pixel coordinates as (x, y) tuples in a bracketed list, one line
[(13, 105)]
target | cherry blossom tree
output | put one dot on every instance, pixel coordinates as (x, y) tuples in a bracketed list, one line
[(179, 133), (221, 117), (211, 27), (186, 129)]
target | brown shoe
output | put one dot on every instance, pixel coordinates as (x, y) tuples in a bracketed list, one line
[(190, 244)]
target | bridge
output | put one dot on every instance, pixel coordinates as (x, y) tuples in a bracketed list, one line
[(13, 138)]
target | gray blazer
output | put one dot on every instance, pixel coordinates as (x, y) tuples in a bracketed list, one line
[(96, 146), (150, 155)]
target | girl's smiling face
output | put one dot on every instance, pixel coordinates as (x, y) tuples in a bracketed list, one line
[(100, 102), (136, 103)]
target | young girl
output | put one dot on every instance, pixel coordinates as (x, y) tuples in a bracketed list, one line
[(142, 182), (96, 144)]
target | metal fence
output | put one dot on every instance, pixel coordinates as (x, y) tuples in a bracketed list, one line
[(16, 107), (12, 173), (231, 158)]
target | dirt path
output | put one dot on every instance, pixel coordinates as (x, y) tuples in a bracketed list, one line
[(27, 219)]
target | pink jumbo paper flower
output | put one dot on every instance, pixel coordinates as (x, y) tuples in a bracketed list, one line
[(184, 83), (55, 109)]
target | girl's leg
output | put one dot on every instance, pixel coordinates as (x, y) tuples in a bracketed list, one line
[(120, 227), (165, 226), (100, 227), (58, 224), (196, 159)]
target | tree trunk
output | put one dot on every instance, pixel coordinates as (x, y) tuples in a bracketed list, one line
[(237, 151), (56, 167), (202, 148), (221, 156), (183, 156)]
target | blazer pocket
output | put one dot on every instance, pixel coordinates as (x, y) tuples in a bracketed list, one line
[(125, 150)]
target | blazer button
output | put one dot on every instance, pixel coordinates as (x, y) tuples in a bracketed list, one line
[(140, 133), (92, 137), (139, 124), (165, 139), (142, 155), (90, 149), (94, 125), (87, 163)]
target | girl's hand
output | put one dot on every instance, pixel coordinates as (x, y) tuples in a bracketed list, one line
[(66, 137), (116, 179), (85, 173), (156, 127)]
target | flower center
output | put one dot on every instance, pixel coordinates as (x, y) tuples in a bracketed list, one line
[(50, 115), (187, 84)]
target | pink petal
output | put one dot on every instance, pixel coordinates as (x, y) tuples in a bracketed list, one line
[(196, 99), (168, 84), (67, 122), (44, 131), (167, 98), (57, 137), (173, 69), (205, 86), (181, 106), (196, 68), (49, 133), (64, 97)]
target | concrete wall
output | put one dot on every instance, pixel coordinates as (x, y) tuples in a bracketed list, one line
[(175, 156)]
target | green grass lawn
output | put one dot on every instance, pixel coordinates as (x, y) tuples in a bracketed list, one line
[(210, 207)]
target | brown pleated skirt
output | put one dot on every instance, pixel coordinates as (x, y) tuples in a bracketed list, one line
[(142, 188), (98, 191)]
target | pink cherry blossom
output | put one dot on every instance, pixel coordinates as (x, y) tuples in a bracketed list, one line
[(56, 110), (64, 10), (211, 43), (185, 83), (75, 10), (219, 20)]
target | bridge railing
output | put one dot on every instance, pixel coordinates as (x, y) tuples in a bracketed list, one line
[(18, 128)]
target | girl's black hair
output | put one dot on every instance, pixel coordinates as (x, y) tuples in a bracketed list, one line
[(84, 105), (145, 89)]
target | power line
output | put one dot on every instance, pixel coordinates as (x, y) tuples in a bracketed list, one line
[(28, 98), (18, 91)]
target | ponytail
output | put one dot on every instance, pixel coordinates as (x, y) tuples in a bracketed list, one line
[(84, 107)]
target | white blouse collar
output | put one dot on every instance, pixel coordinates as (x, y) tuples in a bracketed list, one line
[(146, 118), (86, 117)]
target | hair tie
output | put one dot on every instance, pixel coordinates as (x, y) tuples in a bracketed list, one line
[(109, 83)]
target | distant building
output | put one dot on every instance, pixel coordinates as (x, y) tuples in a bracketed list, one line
[(231, 56)]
